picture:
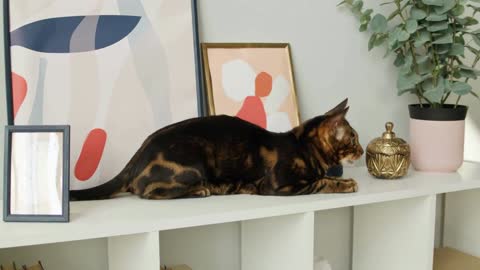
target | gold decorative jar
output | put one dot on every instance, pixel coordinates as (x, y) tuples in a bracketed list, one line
[(388, 157)]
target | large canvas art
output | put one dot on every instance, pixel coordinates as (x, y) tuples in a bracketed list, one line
[(115, 70)]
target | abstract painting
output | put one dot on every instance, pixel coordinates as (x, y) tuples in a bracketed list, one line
[(114, 70), (253, 82)]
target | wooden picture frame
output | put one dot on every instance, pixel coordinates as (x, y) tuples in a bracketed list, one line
[(58, 136), (279, 70)]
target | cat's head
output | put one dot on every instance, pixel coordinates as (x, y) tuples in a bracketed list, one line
[(333, 136)]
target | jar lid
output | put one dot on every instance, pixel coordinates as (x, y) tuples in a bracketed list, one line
[(389, 134), (388, 144)]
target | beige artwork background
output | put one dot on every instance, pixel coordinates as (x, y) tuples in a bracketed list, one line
[(275, 61), (130, 89)]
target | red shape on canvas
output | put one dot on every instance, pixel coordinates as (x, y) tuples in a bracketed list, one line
[(263, 84), (19, 92), (91, 154), (253, 111)]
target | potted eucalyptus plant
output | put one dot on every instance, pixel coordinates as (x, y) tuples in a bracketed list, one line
[(436, 48)]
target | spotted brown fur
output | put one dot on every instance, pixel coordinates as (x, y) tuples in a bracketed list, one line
[(222, 155)]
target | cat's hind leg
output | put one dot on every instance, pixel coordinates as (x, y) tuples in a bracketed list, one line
[(188, 183)]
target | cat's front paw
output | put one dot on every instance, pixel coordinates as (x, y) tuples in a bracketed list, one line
[(348, 186)]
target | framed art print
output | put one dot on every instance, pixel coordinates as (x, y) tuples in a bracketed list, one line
[(254, 82), (36, 180), (114, 70)]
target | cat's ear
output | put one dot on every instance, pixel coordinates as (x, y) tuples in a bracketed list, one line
[(333, 121), (338, 109)]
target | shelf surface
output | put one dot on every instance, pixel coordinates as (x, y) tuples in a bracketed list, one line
[(130, 215)]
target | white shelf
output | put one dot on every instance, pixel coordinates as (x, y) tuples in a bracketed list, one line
[(130, 215)]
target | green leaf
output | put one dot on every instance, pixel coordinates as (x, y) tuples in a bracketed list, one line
[(442, 48), (463, 71), (387, 3), (467, 74), (411, 26), (379, 24), (466, 67), (448, 86), (457, 49), (476, 39), (380, 39), (438, 3), (417, 14), (401, 92), (399, 60), (447, 5), (458, 10), (461, 88), (456, 74), (437, 26), (406, 68), (345, 2), (467, 21), (357, 5), (426, 67), (434, 93), (368, 12), (422, 58), (421, 39), (365, 19), (459, 39), (371, 42), (393, 37), (403, 36), (363, 28), (408, 81), (437, 18), (445, 39)]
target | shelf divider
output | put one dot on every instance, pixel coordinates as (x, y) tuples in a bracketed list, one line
[(395, 235), (278, 243), (462, 221), (137, 251)]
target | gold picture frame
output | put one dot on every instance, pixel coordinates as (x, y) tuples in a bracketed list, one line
[(209, 80)]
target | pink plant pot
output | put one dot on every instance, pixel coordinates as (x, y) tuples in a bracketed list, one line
[(437, 146), (436, 140)]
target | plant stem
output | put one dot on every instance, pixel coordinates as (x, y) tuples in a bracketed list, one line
[(399, 8), (452, 70), (446, 97), (414, 58)]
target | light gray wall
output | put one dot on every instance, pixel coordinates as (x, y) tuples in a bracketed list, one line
[(330, 56), (331, 62)]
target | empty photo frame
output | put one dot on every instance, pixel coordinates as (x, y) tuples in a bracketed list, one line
[(36, 180)]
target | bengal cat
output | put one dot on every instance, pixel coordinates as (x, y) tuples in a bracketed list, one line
[(221, 155)]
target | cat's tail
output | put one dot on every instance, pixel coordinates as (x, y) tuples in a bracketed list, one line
[(107, 190)]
